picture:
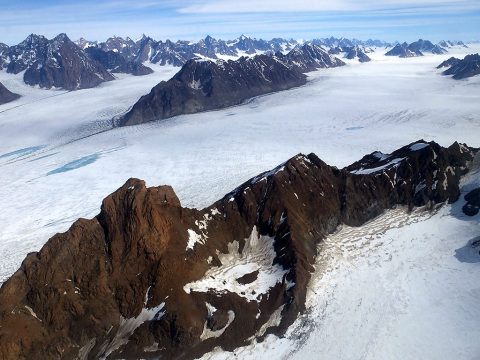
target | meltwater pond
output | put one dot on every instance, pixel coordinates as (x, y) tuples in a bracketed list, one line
[(84, 161)]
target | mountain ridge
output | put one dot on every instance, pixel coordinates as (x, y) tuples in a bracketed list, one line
[(148, 278)]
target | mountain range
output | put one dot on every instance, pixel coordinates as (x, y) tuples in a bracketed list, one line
[(203, 85), (148, 278), (61, 63)]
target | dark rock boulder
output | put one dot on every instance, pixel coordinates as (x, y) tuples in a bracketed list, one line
[(472, 206), (6, 96), (147, 278)]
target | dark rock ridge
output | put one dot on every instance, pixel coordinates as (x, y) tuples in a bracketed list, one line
[(472, 205), (468, 67), (55, 63), (417, 48), (203, 85), (116, 63), (6, 95), (207, 85), (147, 278), (449, 62)]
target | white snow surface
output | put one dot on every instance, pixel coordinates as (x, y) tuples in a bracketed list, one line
[(128, 326), (409, 298)]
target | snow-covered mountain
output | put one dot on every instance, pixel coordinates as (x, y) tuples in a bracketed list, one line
[(417, 48), (449, 44), (92, 62), (147, 277), (309, 57), (55, 63)]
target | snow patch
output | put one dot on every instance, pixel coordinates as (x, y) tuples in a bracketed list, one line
[(257, 255)]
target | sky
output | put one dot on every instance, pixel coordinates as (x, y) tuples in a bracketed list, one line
[(390, 20)]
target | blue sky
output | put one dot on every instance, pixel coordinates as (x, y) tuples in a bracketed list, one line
[(192, 19)]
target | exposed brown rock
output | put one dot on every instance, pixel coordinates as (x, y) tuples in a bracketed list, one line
[(134, 281)]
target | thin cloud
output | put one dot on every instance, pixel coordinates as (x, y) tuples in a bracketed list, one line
[(255, 6), (191, 19)]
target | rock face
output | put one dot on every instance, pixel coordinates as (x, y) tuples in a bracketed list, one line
[(206, 85), (116, 63), (55, 63), (449, 62), (3, 55), (6, 96), (468, 67), (147, 278)]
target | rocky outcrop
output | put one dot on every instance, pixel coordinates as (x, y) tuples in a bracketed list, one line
[(6, 95), (472, 205), (207, 85), (468, 67), (147, 278), (114, 62), (55, 63)]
